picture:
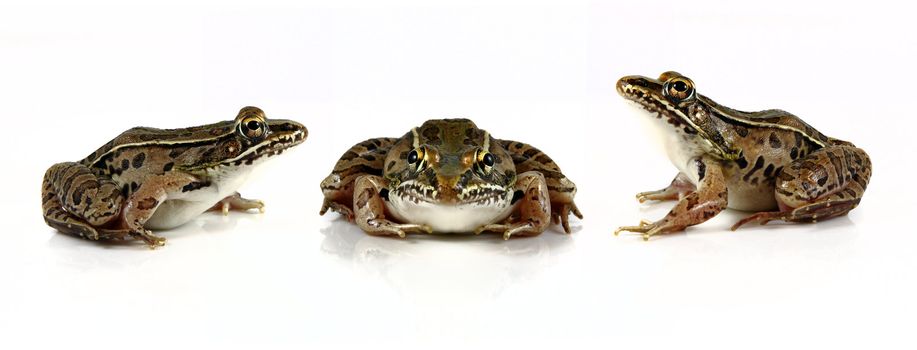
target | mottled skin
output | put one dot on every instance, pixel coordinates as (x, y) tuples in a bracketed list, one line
[(769, 162), (153, 178), (449, 176)]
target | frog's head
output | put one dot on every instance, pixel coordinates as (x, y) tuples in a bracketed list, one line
[(673, 100), (247, 140), (450, 161)]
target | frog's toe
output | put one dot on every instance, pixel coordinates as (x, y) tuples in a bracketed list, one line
[(412, 228), (388, 228), (491, 228), (336, 207), (561, 215), (152, 241), (236, 202), (521, 230), (761, 218), (643, 227)]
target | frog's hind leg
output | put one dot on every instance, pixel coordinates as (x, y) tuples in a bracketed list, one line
[(64, 222), (364, 158), (827, 183), (561, 190), (77, 202)]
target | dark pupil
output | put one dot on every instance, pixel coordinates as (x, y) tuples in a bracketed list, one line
[(412, 157), (253, 125), (488, 159), (680, 86)]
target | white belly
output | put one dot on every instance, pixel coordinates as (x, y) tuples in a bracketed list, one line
[(181, 207), (444, 218)]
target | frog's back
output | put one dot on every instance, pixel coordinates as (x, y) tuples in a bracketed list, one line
[(145, 136), (773, 118)]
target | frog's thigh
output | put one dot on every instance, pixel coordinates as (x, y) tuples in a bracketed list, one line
[(532, 212), (75, 201), (825, 184), (151, 194), (369, 210)]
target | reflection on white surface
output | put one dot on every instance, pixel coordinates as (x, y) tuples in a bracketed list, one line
[(445, 266), (83, 254)]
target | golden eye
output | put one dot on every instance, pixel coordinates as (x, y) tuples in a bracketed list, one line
[(485, 161), (417, 157), (252, 127), (679, 88)]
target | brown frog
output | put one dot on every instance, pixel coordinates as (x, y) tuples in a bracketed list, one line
[(769, 162), (449, 176), (150, 178)]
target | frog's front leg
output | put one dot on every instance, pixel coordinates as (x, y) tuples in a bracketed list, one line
[(236, 202), (709, 199), (680, 187), (532, 212), (142, 203), (369, 209), (825, 184)]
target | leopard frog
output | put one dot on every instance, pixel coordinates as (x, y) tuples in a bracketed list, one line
[(150, 178), (448, 176), (769, 162)]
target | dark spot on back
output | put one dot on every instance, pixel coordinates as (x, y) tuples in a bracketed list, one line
[(741, 130), (774, 140), (741, 162), (138, 160)]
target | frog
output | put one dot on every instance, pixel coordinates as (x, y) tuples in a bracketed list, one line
[(770, 163), (447, 176), (156, 179)]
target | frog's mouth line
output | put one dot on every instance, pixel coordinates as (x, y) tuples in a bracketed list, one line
[(477, 195), (274, 145)]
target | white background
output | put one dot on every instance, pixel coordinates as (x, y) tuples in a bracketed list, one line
[(75, 74)]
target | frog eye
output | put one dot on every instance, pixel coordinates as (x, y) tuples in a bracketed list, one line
[(252, 127), (679, 88), (416, 157), (486, 161)]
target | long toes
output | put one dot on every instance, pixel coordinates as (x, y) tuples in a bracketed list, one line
[(577, 213), (566, 223), (651, 233), (762, 218), (489, 228), (644, 227), (419, 229)]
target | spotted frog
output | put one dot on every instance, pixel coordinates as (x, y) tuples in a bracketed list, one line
[(150, 178), (769, 162), (449, 176)]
